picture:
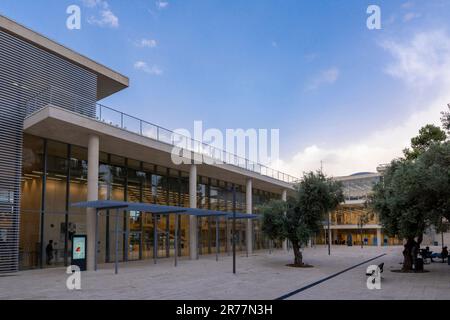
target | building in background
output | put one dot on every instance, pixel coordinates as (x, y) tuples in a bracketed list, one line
[(59, 146), (353, 222)]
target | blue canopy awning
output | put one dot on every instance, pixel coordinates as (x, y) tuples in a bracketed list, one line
[(158, 209), (243, 216), (128, 206)]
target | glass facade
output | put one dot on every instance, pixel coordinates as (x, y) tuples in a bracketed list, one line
[(358, 187), (345, 220), (55, 175), (354, 237), (351, 215)]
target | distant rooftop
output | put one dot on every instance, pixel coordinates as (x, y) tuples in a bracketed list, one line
[(358, 176), (361, 173)]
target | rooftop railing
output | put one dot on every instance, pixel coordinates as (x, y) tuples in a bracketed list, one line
[(68, 100)]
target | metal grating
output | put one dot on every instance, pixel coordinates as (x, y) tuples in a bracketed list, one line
[(26, 70)]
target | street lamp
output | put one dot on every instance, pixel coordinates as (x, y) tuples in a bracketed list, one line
[(327, 231), (360, 226), (363, 220), (329, 234)]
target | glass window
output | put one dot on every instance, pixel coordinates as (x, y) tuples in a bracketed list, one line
[(78, 192), (32, 172), (55, 199)]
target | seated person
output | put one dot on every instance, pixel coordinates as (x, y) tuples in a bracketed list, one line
[(443, 255), (426, 253)]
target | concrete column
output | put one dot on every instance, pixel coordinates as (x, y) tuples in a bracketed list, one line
[(284, 198), (193, 219), (249, 205), (92, 195), (379, 240)]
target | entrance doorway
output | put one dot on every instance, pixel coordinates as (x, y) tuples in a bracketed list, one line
[(134, 245), (349, 239)]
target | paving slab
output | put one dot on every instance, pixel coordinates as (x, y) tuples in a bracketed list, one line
[(262, 275)]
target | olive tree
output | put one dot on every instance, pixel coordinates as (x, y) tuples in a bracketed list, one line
[(414, 195), (298, 219)]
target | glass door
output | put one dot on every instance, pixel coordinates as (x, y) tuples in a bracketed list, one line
[(135, 235), (134, 245)]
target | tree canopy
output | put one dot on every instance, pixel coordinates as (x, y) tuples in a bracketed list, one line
[(413, 195), (302, 216), (428, 136), (446, 119)]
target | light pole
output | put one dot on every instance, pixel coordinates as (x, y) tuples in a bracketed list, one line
[(363, 219), (360, 226), (329, 235)]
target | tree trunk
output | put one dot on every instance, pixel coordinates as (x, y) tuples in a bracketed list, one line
[(419, 240), (408, 255), (298, 260), (362, 241)]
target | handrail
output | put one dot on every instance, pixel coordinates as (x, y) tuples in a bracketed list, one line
[(104, 114)]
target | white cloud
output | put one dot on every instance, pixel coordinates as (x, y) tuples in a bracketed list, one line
[(366, 153), (148, 43), (105, 17), (162, 4), (422, 62), (410, 16), (407, 5), (143, 66), (328, 76), (95, 3)]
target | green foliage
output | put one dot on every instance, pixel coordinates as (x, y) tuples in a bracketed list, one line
[(301, 217), (428, 136), (435, 165), (446, 119), (364, 218), (273, 219), (414, 193)]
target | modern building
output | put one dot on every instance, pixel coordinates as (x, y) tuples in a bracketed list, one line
[(353, 222), (59, 146)]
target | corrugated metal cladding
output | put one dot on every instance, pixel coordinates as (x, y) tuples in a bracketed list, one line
[(26, 70)]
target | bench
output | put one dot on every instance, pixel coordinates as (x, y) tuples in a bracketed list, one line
[(380, 266), (426, 256)]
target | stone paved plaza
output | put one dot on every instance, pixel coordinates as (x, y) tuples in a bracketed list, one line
[(260, 276)]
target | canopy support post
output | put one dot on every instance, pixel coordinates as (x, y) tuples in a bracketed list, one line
[(155, 238), (217, 238), (176, 239), (198, 234), (116, 267)]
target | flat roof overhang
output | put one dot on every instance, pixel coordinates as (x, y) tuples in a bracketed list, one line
[(59, 124), (108, 80)]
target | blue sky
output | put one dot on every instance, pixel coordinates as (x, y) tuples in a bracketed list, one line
[(337, 91)]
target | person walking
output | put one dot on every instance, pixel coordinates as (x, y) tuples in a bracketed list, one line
[(49, 252)]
